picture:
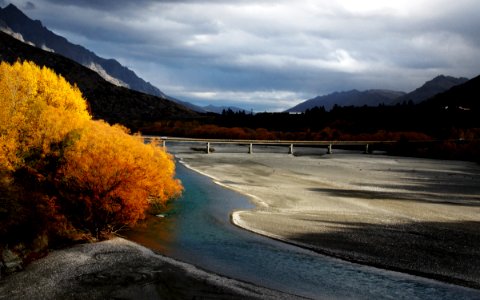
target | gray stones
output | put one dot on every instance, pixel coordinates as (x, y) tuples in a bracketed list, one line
[(11, 262)]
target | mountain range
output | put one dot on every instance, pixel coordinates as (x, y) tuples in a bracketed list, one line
[(429, 89), (123, 80), (14, 22), (349, 98), (110, 69)]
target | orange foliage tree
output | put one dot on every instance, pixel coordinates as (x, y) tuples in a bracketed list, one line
[(85, 174), (116, 176)]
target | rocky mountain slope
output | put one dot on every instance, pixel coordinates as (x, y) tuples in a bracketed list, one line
[(17, 24), (107, 101)]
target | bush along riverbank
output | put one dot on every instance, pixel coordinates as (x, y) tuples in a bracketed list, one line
[(65, 178)]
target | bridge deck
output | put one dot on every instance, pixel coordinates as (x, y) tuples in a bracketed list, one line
[(267, 142)]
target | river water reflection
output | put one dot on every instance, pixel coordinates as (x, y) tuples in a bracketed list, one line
[(197, 230)]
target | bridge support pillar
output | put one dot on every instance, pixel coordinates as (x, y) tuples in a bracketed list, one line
[(290, 149), (367, 151), (250, 149), (164, 145), (329, 149), (208, 147)]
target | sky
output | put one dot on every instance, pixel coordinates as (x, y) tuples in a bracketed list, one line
[(270, 55)]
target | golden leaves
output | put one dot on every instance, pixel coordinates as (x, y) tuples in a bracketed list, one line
[(108, 164), (38, 109), (110, 174)]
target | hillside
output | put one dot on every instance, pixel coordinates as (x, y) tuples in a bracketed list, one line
[(42, 37), (107, 101), (463, 97), (349, 98), (431, 88)]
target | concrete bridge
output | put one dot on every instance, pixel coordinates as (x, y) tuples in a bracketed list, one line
[(329, 145)]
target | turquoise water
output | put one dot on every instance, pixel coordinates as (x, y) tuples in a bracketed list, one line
[(198, 230)]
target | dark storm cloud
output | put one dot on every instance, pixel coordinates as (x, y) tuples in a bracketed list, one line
[(273, 54), (129, 4), (103, 4)]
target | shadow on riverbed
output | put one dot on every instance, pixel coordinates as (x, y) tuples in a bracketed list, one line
[(457, 186), (416, 196), (448, 251), (458, 179)]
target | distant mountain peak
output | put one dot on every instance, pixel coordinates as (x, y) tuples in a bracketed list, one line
[(442, 78), (14, 12), (12, 8)]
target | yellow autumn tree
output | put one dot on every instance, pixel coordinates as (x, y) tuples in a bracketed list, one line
[(58, 166), (38, 108), (116, 176)]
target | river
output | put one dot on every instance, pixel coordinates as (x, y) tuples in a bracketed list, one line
[(197, 230)]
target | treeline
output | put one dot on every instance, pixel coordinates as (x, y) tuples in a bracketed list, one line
[(403, 121), (430, 119), (63, 176), (196, 129), (456, 128)]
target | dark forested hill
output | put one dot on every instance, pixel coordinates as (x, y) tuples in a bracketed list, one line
[(463, 97)]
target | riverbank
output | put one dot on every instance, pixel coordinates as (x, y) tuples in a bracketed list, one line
[(417, 216), (120, 269)]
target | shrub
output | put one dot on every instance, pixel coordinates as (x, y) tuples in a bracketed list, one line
[(111, 176), (62, 173)]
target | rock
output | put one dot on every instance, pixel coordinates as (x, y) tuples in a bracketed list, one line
[(11, 261)]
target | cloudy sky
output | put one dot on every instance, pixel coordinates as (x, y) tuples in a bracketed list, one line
[(271, 55)]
